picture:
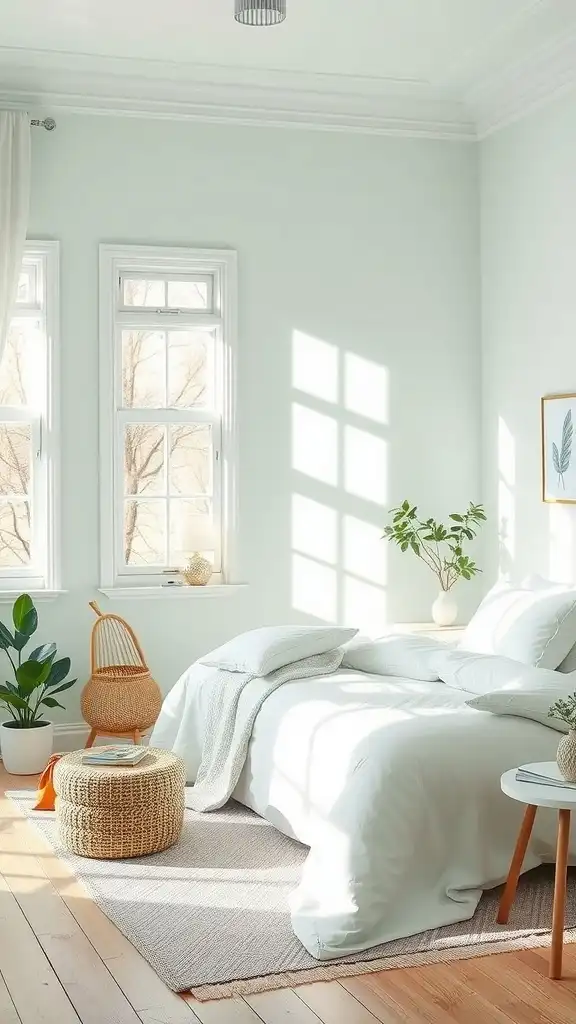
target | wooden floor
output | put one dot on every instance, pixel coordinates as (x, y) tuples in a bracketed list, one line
[(62, 961)]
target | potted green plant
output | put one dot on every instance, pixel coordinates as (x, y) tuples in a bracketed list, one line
[(565, 710), (440, 547), (26, 737)]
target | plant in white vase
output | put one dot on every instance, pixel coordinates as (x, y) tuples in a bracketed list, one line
[(440, 547), (565, 711), (26, 738)]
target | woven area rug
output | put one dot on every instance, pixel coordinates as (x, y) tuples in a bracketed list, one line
[(210, 915)]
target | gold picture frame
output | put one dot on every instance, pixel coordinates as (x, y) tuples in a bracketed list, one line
[(558, 448)]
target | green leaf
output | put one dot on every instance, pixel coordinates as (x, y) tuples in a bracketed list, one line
[(20, 640), (6, 639), (65, 686), (51, 703), (405, 506), (414, 546), (456, 517), (12, 698), (23, 605), (58, 671), (43, 653), (30, 675), (30, 622)]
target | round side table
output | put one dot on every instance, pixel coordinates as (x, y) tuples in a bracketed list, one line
[(535, 796)]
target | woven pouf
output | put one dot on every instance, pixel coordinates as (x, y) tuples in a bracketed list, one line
[(114, 813)]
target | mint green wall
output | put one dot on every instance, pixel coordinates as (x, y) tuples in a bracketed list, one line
[(529, 332), (366, 243)]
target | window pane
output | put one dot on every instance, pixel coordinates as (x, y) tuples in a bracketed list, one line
[(190, 369), (15, 458), (144, 369), (145, 533), (191, 459), (138, 292), (188, 294), (144, 472), (22, 365), (26, 293), (14, 534), (190, 529)]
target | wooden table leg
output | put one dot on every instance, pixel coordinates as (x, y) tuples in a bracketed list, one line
[(560, 893), (516, 865)]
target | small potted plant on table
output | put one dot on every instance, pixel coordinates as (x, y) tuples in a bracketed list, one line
[(26, 737)]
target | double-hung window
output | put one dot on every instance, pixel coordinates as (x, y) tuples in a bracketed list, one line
[(166, 382), (28, 428)]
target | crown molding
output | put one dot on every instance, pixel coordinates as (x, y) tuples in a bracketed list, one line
[(501, 99), (247, 96)]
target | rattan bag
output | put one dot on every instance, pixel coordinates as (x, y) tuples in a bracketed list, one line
[(120, 695)]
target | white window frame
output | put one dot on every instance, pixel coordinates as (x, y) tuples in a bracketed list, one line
[(125, 261), (43, 577)]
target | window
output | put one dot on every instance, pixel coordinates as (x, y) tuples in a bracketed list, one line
[(167, 332), (28, 428)]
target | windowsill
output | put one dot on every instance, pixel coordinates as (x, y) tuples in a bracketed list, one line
[(36, 595), (183, 593)]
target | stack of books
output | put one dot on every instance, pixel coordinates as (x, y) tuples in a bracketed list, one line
[(525, 775), (121, 756)]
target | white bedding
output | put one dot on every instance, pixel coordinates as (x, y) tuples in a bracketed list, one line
[(394, 786)]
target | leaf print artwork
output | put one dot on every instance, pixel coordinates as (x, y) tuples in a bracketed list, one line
[(561, 459)]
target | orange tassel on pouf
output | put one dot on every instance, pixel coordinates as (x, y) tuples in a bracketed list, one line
[(46, 793)]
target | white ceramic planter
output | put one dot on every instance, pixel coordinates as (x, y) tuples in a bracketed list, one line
[(26, 751), (444, 609)]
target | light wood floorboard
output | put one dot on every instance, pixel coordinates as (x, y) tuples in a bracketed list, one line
[(63, 962)]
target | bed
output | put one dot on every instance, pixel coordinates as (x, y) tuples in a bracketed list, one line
[(393, 783)]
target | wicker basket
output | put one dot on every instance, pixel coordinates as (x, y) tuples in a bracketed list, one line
[(120, 696)]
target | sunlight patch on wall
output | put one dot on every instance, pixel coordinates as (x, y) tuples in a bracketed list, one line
[(314, 529), (506, 499), (314, 444), (365, 465), (366, 388), (364, 606), (365, 553), (314, 367), (314, 588)]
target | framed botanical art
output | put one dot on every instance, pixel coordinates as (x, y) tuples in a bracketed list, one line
[(559, 449)]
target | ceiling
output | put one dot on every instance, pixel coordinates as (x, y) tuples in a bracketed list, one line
[(439, 67)]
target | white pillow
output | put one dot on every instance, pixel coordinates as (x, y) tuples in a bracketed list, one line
[(532, 624), (530, 701), (396, 655), (261, 651), (483, 673)]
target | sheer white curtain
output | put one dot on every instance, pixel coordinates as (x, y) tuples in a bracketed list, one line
[(14, 199)]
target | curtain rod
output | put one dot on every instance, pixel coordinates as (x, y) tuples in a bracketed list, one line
[(48, 123)]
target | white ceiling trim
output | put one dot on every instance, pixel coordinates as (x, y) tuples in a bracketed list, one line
[(502, 99), (104, 85), (79, 83)]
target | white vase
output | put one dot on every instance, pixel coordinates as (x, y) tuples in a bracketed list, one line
[(26, 751), (444, 609)]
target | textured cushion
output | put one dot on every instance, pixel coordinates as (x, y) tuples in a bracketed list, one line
[(532, 623), (529, 699), (264, 650), (396, 655), (484, 673)]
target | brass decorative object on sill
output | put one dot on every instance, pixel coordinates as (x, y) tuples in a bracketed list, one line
[(198, 538)]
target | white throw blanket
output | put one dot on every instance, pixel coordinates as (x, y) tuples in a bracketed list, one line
[(229, 722)]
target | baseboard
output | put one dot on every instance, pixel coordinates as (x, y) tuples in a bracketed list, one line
[(70, 736)]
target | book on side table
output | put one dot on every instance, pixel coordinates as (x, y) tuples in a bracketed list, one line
[(536, 778), (126, 755)]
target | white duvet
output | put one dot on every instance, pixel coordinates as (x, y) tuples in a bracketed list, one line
[(395, 787)]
